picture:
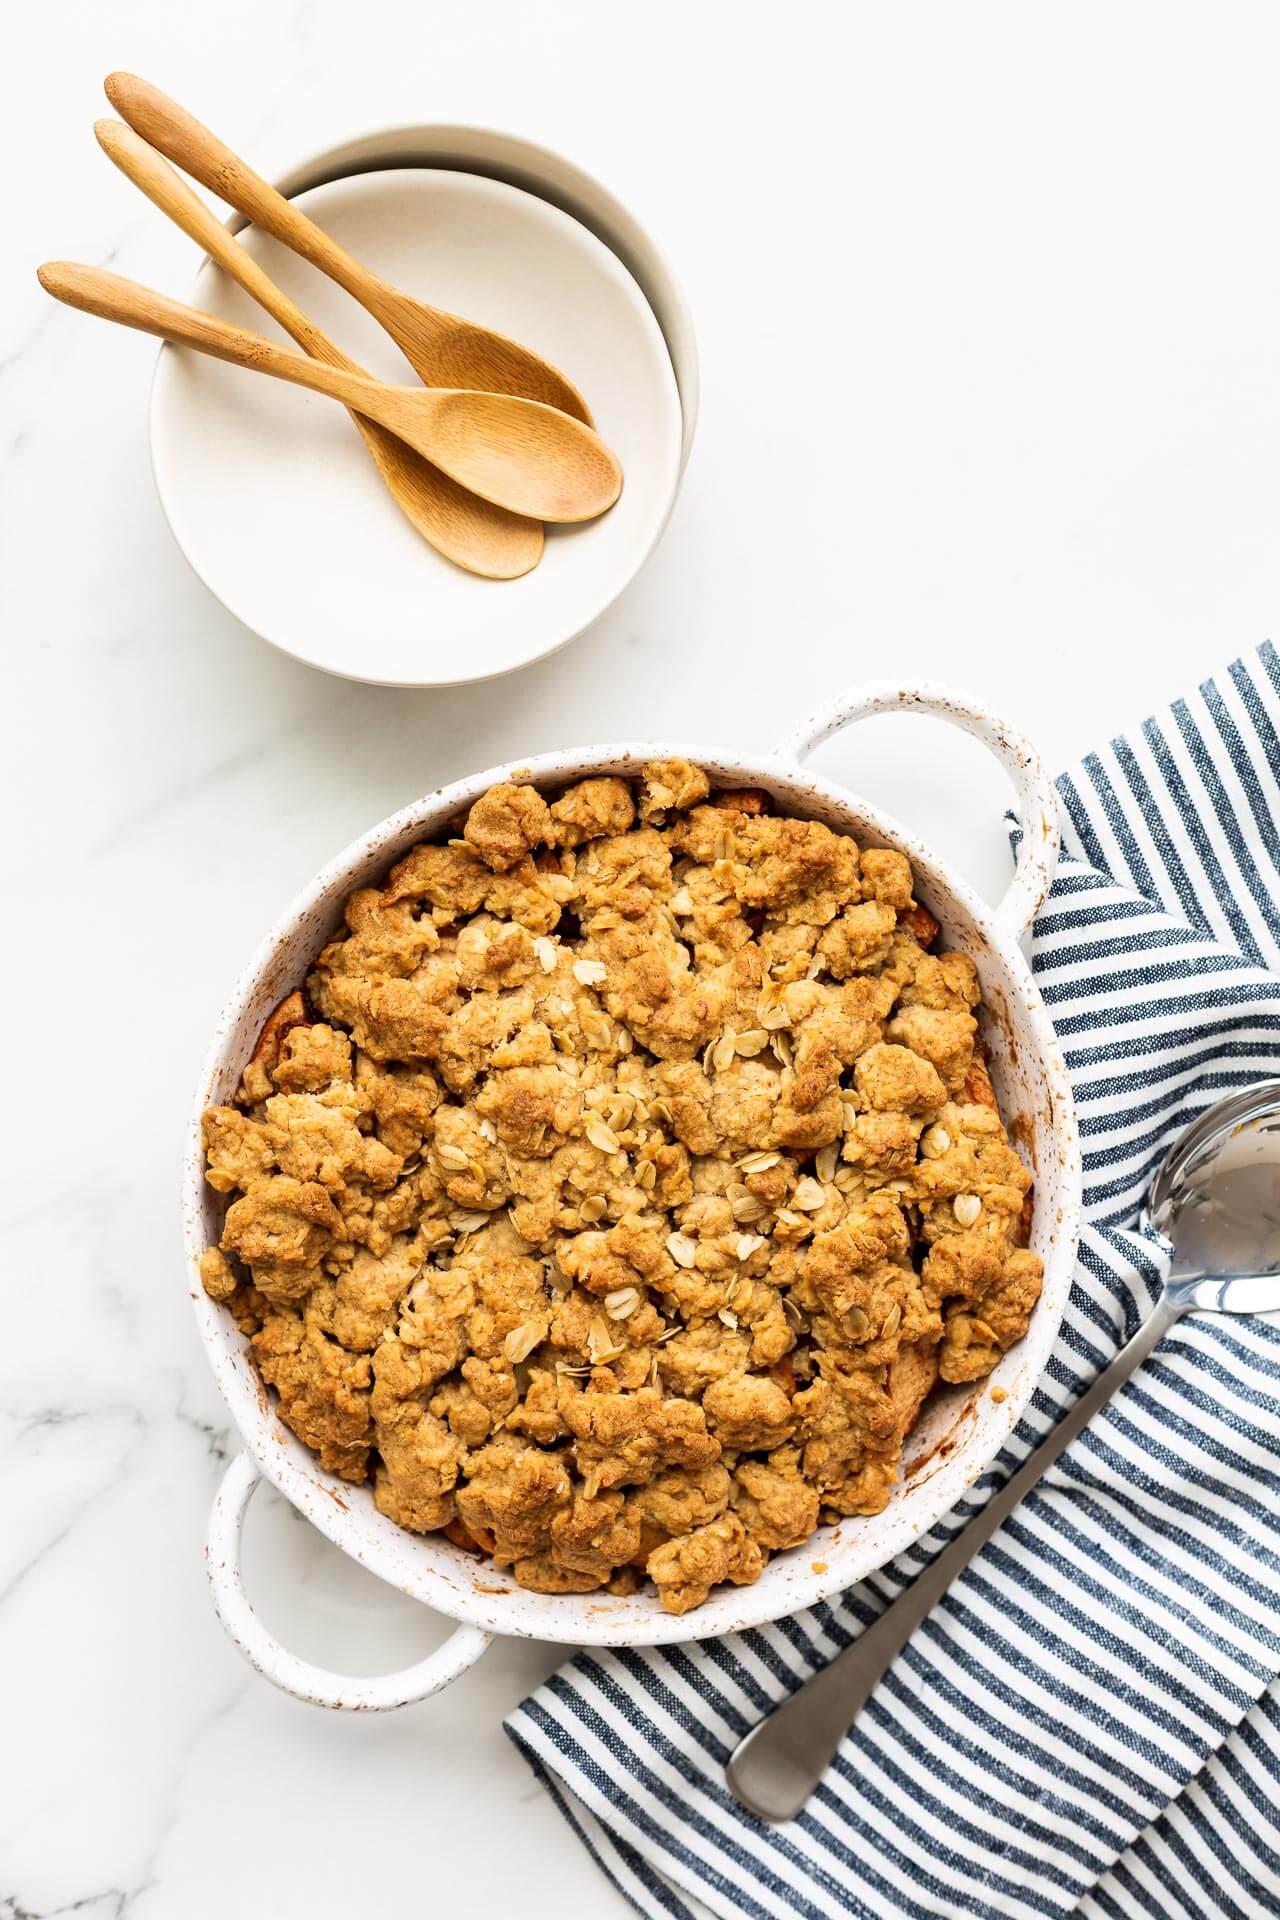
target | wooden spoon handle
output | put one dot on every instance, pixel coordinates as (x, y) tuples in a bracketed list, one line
[(94, 290), (483, 538), (168, 191), (179, 136)]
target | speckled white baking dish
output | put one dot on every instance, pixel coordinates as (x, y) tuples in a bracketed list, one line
[(962, 1429)]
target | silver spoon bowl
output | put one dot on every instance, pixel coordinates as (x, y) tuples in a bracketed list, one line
[(1216, 1198)]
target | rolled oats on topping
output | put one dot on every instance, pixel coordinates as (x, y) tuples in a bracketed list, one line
[(468, 1219), (522, 1340), (750, 1043), (722, 1054), (621, 1185)]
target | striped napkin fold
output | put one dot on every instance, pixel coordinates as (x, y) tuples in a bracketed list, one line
[(1089, 1723)]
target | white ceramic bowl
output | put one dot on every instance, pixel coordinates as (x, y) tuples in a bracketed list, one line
[(961, 1430), (273, 499)]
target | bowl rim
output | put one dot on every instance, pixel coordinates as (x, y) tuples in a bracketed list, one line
[(163, 409), (584, 1619), (498, 153)]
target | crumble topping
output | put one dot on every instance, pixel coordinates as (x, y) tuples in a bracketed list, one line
[(622, 1184)]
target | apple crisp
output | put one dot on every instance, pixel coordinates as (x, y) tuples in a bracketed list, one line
[(622, 1183)]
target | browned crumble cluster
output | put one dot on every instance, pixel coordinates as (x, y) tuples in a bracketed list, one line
[(622, 1185)]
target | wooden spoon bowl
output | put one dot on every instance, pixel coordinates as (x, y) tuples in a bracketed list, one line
[(526, 457)]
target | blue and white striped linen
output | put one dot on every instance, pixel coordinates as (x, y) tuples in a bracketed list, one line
[(1090, 1721)]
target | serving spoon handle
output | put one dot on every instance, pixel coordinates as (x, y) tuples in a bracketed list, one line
[(475, 534), (775, 1768)]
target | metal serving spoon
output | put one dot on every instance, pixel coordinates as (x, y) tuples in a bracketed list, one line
[(1216, 1196)]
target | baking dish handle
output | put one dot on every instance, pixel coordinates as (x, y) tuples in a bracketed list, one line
[(284, 1669), (1037, 798)]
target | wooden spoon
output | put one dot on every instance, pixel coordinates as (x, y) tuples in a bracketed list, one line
[(526, 457), (443, 350), (477, 535)]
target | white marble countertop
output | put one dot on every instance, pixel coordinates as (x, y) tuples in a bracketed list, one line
[(1012, 274)]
